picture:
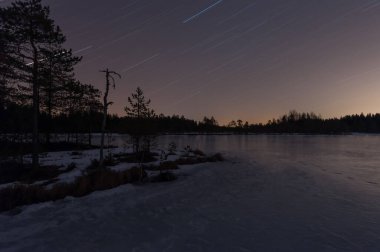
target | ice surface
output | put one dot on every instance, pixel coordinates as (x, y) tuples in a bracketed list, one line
[(274, 193)]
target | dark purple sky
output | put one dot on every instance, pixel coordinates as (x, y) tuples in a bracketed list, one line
[(233, 59)]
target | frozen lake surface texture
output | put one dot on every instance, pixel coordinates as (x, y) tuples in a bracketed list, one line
[(274, 193)]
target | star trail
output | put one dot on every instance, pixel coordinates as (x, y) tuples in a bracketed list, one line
[(201, 12), (253, 60)]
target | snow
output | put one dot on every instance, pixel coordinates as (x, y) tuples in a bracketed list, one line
[(81, 161), (274, 193)]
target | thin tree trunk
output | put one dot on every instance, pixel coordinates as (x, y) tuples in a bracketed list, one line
[(36, 109), (49, 105), (90, 131), (105, 105)]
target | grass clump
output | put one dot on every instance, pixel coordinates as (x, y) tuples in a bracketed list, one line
[(93, 180)]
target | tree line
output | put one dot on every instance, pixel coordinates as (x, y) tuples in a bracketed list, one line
[(41, 96), (16, 120), (311, 123)]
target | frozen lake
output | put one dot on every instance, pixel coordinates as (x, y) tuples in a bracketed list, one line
[(274, 193)]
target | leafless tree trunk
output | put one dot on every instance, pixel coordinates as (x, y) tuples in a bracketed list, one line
[(109, 77)]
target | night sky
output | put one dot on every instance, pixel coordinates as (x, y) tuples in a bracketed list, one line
[(252, 60)]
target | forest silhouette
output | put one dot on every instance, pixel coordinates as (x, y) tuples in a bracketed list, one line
[(41, 98)]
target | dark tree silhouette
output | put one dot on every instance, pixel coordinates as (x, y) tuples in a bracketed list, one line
[(232, 124), (56, 71), (110, 79), (79, 101), (140, 112), (92, 105), (208, 124), (7, 71), (29, 27)]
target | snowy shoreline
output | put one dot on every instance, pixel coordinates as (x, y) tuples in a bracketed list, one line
[(272, 194)]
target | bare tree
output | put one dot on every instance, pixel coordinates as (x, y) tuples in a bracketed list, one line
[(109, 78)]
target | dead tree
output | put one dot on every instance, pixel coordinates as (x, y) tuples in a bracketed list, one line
[(109, 78)]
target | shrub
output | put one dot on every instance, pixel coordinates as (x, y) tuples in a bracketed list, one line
[(172, 148), (187, 151)]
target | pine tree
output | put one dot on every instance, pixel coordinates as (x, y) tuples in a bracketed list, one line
[(139, 107), (140, 112), (92, 105), (28, 25), (56, 71), (79, 102), (7, 71)]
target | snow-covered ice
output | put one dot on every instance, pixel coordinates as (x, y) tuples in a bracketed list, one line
[(274, 193)]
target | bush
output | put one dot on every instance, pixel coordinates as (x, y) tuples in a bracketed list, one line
[(172, 148)]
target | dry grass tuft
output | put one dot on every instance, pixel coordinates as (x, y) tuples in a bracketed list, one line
[(94, 180)]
